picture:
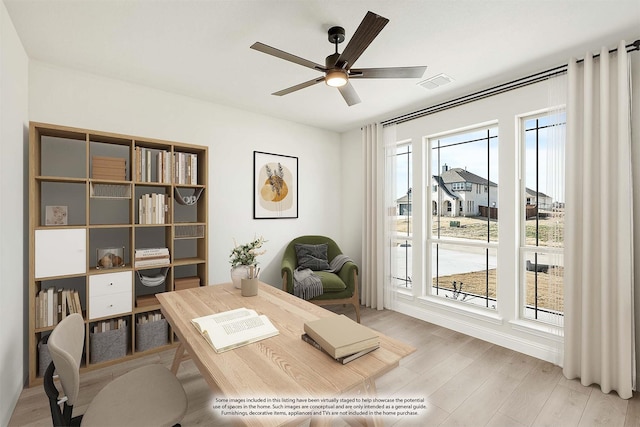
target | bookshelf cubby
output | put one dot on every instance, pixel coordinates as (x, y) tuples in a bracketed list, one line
[(81, 202)]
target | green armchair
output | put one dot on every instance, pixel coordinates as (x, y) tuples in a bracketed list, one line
[(338, 288)]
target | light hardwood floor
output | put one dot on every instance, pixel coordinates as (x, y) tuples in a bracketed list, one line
[(465, 382)]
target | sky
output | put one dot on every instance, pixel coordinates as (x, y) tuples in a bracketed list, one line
[(472, 152)]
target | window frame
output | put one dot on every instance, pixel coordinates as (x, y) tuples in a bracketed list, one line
[(523, 198), (431, 240)]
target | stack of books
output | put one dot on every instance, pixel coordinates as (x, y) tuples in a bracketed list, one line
[(151, 257), (153, 208), (108, 325), (340, 337), (144, 158), (112, 168), (186, 283), (146, 300), (185, 168), (53, 305)]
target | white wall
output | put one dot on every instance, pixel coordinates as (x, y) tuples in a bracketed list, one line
[(13, 203), (72, 98)]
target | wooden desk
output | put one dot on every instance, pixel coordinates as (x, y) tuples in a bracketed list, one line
[(280, 366)]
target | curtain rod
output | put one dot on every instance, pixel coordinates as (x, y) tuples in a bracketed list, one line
[(495, 90)]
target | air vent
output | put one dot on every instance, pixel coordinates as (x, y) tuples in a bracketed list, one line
[(435, 81)]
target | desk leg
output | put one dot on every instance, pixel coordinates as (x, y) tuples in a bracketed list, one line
[(368, 389), (320, 421), (371, 391), (177, 359)]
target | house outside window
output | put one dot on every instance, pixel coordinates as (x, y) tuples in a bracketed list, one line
[(463, 249)]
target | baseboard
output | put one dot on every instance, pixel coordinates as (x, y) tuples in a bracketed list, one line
[(486, 331)]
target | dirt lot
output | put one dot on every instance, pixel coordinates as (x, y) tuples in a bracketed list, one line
[(550, 293)]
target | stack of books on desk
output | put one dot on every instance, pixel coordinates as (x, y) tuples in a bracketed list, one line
[(340, 337), (151, 257)]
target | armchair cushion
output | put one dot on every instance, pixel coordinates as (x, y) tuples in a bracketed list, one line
[(312, 256), (331, 282)]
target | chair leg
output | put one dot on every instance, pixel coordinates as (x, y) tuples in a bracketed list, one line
[(356, 305)]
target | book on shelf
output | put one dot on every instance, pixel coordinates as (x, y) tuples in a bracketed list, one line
[(340, 336), (159, 261), (145, 158), (186, 283), (153, 208), (109, 325), (110, 168), (53, 305), (345, 359), (234, 328), (149, 318), (150, 252), (185, 167), (146, 300), (148, 257)]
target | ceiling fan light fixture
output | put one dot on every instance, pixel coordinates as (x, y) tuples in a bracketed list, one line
[(336, 78)]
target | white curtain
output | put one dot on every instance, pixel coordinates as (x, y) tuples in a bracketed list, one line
[(599, 323), (376, 254), (372, 275)]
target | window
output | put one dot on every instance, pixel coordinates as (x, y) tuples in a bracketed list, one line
[(463, 249), (401, 238), (461, 186), (542, 231)]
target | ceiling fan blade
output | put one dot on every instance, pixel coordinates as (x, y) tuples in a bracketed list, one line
[(366, 32), (298, 86), (349, 94), (387, 73), (261, 47)]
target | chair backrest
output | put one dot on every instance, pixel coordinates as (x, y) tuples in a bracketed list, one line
[(332, 247), (65, 346)]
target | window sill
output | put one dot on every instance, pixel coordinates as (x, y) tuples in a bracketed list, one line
[(458, 309)]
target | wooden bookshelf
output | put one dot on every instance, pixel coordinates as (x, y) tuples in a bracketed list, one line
[(77, 210)]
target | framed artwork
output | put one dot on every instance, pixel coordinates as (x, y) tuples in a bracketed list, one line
[(275, 186), (56, 215)]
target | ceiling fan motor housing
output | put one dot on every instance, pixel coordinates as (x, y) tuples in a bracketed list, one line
[(331, 61), (336, 35)]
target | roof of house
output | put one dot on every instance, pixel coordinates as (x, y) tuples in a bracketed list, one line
[(444, 187), (533, 192), (462, 175)]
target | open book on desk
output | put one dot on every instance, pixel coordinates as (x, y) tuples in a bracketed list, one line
[(234, 328)]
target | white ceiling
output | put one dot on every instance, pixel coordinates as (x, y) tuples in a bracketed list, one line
[(201, 48)]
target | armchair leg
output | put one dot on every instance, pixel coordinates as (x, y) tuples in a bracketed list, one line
[(356, 305)]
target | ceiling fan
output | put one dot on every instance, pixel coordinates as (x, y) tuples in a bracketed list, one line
[(338, 66)]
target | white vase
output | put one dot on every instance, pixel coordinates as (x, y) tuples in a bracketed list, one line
[(238, 273)]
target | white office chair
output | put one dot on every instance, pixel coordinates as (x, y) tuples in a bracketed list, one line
[(150, 395)]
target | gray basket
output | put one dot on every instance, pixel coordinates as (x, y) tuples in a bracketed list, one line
[(152, 334), (108, 345), (44, 358)]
